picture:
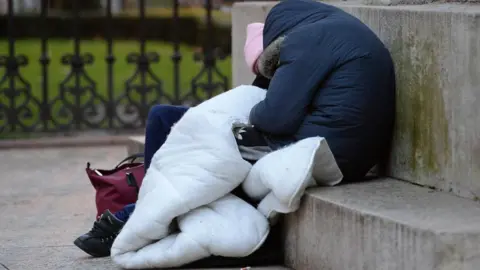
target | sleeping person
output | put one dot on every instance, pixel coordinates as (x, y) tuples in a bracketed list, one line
[(326, 74), (251, 142)]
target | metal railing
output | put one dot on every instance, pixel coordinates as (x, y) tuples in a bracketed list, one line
[(75, 103)]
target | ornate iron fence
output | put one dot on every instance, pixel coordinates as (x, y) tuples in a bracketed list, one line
[(76, 102)]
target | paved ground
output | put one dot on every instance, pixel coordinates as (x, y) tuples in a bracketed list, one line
[(46, 201)]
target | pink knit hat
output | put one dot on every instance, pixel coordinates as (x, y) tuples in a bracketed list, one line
[(253, 45)]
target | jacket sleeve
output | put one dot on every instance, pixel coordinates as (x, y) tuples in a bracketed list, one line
[(300, 73)]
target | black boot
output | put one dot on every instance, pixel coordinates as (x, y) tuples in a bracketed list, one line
[(98, 241)]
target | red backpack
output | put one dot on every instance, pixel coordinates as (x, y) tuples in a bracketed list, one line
[(117, 187)]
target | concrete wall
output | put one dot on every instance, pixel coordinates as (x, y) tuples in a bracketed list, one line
[(436, 53)]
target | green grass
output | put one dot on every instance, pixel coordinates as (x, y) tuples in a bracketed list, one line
[(97, 71)]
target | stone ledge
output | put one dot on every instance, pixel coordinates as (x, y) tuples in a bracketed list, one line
[(383, 224), (135, 145)]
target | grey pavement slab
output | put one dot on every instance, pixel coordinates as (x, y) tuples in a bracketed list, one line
[(46, 198), (46, 201), (69, 258)]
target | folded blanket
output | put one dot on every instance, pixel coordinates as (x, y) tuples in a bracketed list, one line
[(185, 212)]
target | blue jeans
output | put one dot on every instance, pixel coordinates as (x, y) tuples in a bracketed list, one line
[(159, 122)]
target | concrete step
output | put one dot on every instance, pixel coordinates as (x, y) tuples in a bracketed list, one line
[(383, 224), (135, 145)]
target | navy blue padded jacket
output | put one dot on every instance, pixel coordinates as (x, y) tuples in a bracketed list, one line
[(334, 79)]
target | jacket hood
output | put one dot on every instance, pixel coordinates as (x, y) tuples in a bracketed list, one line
[(288, 14)]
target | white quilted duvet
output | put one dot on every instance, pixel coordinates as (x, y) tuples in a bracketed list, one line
[(190, 180)]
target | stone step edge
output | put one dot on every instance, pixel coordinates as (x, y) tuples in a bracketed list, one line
[(135, 145), (403, 203), (383, 224)]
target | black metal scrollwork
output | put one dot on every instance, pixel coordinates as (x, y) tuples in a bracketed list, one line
[(75, 103), (18, 106), (205, 79), (78, 105), (210, 80), (143, 89)]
